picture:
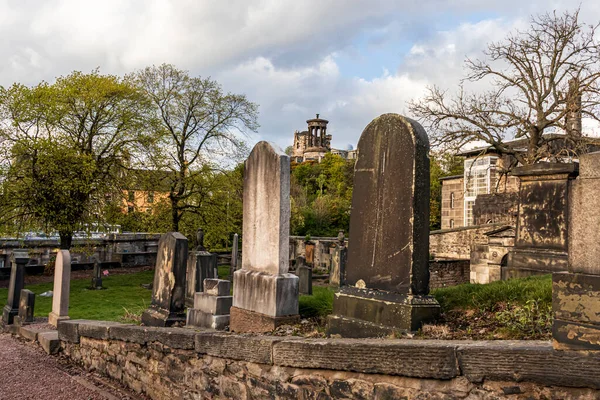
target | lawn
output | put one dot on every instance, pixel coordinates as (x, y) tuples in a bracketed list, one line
[(123, 295)]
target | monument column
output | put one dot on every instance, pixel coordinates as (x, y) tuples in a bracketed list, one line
[(19, 260)]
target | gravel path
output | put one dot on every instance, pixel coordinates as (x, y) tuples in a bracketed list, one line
[(26, 372)]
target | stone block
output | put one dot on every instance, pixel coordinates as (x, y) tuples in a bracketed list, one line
[(68, 330), (49, 341), (217, 287), (201, 319), (31, 333), (584, 220), (256, 349), (430, 359), (589, 165), (535, 262), (26, 306), (271, 295), (304, 279), (216, 305), (175, 338), (245, 321), (96, 329), (131, 333)]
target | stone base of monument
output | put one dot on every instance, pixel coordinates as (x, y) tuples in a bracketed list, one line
[(211, 307), (54, 318), (575, 302), (373, 313), (155, 316), (246, 321), (9, 314), (202, 319)]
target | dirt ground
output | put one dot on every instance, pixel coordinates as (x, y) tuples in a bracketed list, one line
[(29, 373)]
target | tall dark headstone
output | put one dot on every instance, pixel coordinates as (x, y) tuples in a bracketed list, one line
[(201, 265), (19, 260), (168, 296), (304, 273), (97, 277), (387, 272), (337, 275)]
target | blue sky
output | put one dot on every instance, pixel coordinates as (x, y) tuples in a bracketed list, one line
[(349, 60)]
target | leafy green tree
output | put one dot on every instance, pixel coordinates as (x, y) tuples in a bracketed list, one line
[(67, 141), (198, 126)]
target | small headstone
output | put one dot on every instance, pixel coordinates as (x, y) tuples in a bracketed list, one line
[(266, 294), (26, 307), (201, 265), (62, 288), (168, 291), (211, 307), (338, 266), (304, 273), (200, 240), (19, 260), (97, 278), (387, 273)]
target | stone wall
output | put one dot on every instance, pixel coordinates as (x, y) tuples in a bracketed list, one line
[(496, 208), (179, 363), (443, 273), (456, 243)]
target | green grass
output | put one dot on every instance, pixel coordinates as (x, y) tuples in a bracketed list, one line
[(123, 295), (320, 304), (486, 297)]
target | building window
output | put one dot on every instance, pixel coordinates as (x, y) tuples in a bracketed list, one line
[(480, 178), (451, 223), (150, 197), (452, 200), (469, 212), (131, 196)]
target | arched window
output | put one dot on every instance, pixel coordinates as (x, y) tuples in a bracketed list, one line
[(451, 223), (452, 200)]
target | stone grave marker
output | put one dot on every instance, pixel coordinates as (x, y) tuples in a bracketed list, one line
[(576, 293), (211, 307), (265, 293), (201, 265), (61, 289), (304, 273), (168, 289), (19, 259), (97, 277), (387, 272), (338, 262), (26, 307)]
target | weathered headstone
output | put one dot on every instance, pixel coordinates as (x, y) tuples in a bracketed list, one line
[(211, 307), (234, 256), (201, 265), (576, 293), (338, 262), (97, 277), (304, 273), (26, 307), (168, 291), (265, 293), (19, 260), (61, 289), (200, 240), (387, 273)]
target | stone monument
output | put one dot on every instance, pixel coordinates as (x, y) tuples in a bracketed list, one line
[(211, 307), (26, 307), (97, 277), (61, 289), (576, 292), (201, 265), (387, 273), (338, 262), (19, 259), (304, 273), (168, 291), (265, 294)]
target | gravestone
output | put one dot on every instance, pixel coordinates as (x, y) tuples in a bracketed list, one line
[(234, 256), (387, 273), (304, 273), (576, 292), (338, 262), (211, 307), (265, 293), (168, 289), (97, 278), (26, 307), (19, 259), (201, 265), (61, 289)]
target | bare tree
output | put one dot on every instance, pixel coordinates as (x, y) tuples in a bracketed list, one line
[(197, 123), (541, 79)]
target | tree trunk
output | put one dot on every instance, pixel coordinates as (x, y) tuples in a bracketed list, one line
[(175, 217), (534, 145), (66, 238)]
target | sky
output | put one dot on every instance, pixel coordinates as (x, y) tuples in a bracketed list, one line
[(348, 60)]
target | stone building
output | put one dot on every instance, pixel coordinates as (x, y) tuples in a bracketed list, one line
[(315, 142)]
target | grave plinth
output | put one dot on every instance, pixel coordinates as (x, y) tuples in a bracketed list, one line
[(201, 265), (576, 292), (19, 260), (387, 272), (265, 293), (211, 307), (168, 289), (541, 243), (26, 307)]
